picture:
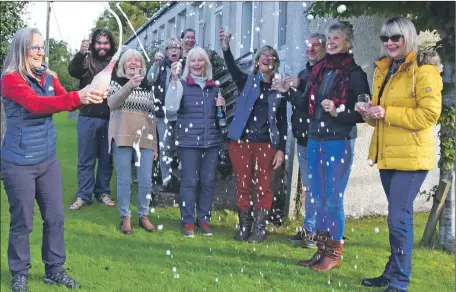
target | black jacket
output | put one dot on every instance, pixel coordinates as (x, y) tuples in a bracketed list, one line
[(324, 127), (300, 117), (77, 69)]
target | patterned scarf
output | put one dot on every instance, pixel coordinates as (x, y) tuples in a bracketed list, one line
[(393, 68), (339, 88), (39, 71)]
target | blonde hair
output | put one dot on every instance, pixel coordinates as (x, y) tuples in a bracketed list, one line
[(403, 26), (16, 60), (197, 52), (266, 49), (124, 58)]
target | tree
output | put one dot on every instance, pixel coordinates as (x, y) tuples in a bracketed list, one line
[(59, 58), (137, 12), (425, 15), (12, 18)]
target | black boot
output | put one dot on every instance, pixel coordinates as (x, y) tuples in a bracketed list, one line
[(381, 281), (245, 225), (259, 228)]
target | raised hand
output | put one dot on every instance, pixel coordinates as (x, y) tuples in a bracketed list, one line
[(84, 47), (135, 81), (176, 69), (224, 39), (280, 85), (292, 81)]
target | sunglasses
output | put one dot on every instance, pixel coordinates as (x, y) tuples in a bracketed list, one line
[(38, 48), (393, 38)]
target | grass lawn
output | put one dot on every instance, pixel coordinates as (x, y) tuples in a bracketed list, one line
[(102, 259)]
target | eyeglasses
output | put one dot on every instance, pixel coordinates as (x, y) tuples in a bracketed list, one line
[(267, 57), (173, 48), (393, 38), (38, 48)]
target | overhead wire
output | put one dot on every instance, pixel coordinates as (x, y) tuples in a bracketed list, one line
[(56, 21)]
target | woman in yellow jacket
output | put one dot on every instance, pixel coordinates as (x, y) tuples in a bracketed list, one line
[(406, 104)]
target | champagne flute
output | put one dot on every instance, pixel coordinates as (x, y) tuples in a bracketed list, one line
[(363, 102)]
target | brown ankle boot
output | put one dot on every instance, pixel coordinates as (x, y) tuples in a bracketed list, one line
[(125, 225), (331, 259), (321, 237), (145, 223)]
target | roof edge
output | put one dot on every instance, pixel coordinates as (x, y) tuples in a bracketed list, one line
[(156, 15)]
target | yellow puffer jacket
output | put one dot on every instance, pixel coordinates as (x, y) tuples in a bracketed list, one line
[(412, 99)]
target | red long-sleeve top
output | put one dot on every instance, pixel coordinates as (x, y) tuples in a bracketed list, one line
[(17, 89)]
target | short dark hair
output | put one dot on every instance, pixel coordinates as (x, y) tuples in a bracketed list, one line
[(184, 32)]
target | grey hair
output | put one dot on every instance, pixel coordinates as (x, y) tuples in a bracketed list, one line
[(124, 58), (16, 60), (275, 55), (164, 46), (197, 52), (346, 29), (404, 26), (320, 36)]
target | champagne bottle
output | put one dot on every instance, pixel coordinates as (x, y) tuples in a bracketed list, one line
[(103, 78), (221, 117)]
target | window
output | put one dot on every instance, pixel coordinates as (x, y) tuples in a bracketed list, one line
[(282, 31), (181, 18), (161, 32), (246, 28), (172, 27), (154, 35), (218, 24)]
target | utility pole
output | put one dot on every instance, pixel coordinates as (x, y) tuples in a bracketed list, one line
[(48, 20)]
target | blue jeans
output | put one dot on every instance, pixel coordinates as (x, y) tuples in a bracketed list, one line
[(92, 146), (330, 165), (199, 166), (122, 159), (309, 216), (401, 188), (166, 136)]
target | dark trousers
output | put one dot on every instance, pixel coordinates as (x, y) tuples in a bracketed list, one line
[(199, 167), (252, 162), (401, 188), (24, 184), (93, 146)]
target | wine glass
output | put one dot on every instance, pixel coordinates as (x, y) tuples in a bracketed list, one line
[(140, 72), (363, 102)]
